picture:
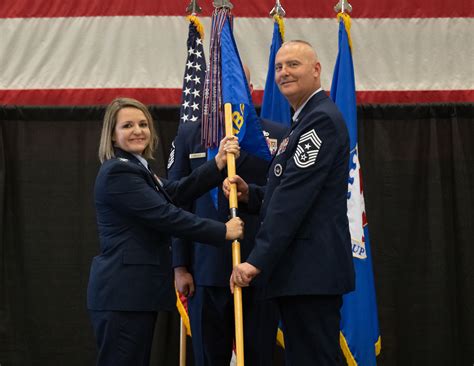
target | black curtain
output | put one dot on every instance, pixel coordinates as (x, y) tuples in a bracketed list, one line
[(418, 165), (418, 169)]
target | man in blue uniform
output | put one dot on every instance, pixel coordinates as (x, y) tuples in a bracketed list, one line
[(202, 273), (303, 247)]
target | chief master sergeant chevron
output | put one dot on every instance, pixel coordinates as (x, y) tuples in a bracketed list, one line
[(303, 247)]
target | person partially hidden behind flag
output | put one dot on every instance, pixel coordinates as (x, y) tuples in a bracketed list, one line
[(202, 272), (131, 279), (303, 247)]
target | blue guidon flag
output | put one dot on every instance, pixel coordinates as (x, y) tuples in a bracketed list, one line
[(226, 83)]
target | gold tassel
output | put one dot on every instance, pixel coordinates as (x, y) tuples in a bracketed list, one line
[(347, 23), (200, 28), (281, 26)]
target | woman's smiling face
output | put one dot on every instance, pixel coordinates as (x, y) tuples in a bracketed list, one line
[(132, 131)]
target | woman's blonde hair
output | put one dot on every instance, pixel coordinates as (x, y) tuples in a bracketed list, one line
[(106, 146)]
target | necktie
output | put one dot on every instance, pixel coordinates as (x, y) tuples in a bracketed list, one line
[(159, 185)]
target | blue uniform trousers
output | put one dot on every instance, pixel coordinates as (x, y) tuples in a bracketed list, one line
[(124, 338), (211, 313), (311, 328)]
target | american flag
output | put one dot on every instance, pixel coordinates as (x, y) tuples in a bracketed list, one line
[(190, 111), (66, 53), (194, 75)]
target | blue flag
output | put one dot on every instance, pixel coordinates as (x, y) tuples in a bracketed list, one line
[(235, 90), (275, 107), (360, 335), (226, 83)]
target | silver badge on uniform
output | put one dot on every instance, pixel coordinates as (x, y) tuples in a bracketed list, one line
[(307, 149), (171, 157), (278, 169), (197, 155), (283, 145)]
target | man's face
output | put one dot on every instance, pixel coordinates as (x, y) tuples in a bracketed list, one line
[(296, 72)]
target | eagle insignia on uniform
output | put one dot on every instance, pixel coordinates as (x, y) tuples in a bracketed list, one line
[(307, 149), (171, 157), (123, 159)]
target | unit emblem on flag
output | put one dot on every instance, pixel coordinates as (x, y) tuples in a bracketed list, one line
[(307, 149), (171, 157)]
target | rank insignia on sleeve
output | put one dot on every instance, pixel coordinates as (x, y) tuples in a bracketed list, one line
[(171, 157), (307, 149)]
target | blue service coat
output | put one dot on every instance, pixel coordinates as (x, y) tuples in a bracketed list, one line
[(212, 266), (136, 219), (304, 245)]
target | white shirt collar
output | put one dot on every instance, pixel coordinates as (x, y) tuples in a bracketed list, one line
[(298, 111), (142, 160)]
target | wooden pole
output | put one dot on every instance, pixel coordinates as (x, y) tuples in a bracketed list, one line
[(182, 343), (238, 310)]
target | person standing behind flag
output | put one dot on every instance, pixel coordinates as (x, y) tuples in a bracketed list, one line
[(202, 273), (303, 247)]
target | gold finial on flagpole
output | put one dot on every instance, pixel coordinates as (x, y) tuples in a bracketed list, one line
[(278, 10), (193, 8), (222, 4), (343, 6)]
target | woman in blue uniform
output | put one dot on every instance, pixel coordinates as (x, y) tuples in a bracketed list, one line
[(131, 279)]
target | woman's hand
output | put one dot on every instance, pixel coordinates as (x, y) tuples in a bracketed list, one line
[(234, 229), (227, 145)]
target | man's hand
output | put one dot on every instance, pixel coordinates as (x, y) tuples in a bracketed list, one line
[(184, 281), (242, 275), (242, 188)]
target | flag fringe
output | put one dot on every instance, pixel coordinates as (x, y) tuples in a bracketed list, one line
[(199, 27), (280, 338), (378, 346), (348, 354), (347, 24), (184, 314), (346, 351)]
